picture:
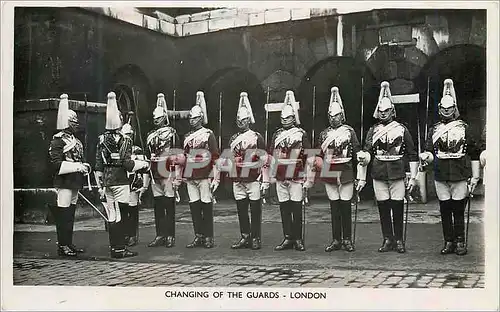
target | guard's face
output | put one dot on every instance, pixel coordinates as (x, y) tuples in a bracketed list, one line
[(287, 122), (158, 121), (195, 121), (73, 123), (243, 124), (335, 120), (385, 114), (447, 112)]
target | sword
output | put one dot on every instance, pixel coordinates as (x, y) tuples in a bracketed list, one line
[(355, 219), (468, 220), (267, 119), (406, 217), (93, 206)]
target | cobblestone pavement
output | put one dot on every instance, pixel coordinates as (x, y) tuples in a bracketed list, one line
[(104, 273)]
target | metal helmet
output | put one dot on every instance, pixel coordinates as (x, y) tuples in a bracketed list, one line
[(384, 100), (161, 109), (200, 108), (245, 108), (290, 107), (449, 99), (113, 118), (336, 106), (64, 114)]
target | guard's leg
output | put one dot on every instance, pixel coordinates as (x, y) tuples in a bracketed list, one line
[(208, 224), (242, 209), (397, 218), (195, 208), (346, 216), (170, 221), (71, 223), (336, 226), (286, 222), (159, 210), (297, 225), (459, 225), (256, 224), (119, 250), (384, 209), (446, 209)]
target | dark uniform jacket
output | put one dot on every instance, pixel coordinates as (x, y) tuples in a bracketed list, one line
[(159, 142), (201, 139), (285, 144), (391, 147), (339, 147), (66, 147), (113, 158), (241, 144), (453, 148)]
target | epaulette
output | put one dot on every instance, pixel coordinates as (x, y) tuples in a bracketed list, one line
[(58, 135)]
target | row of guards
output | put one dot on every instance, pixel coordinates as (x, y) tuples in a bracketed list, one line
[(124, 172)]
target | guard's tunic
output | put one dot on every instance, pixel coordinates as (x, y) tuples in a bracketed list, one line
[(288, 149), (392, 148), (66, 147), (245, 174), (136, 180), (196, 145), (160, 142), (338, 145), (453, 149), (114, 159)]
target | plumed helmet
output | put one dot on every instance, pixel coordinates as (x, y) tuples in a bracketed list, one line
[(384, 100), (245, 108), (335, 106), (290, 107), (161, 107), (113, 120), (200, 108), (64, 114)]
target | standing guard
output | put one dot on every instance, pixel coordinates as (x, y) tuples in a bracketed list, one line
[(392, 146), (246, 185), (113, 160), (139, 182), (201, 152), (338, 143), (456, 157), (289, 164), (66, 157), (162, 143)]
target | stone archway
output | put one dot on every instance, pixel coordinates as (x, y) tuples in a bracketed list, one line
[(231, 82), (466, 65), (345, 73)]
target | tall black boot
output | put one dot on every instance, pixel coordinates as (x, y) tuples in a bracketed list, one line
[(336, 226), (446, 209), (286, 221), (297, 226), (346, 216), (63, 218), (208, 224), (384, 209), (160, 239), (170, 221), (199, 240), (133, 217), (71, 224), (256, 224), (242, 209), (119, 250), (397, 219), (459, 225)]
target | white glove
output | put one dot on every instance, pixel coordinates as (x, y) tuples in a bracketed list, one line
[(473, 184), (360, 185), (101, 193), (214, 185), (411, 185), (426, 158), (141, 191), (264, 186), (307, 185)]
